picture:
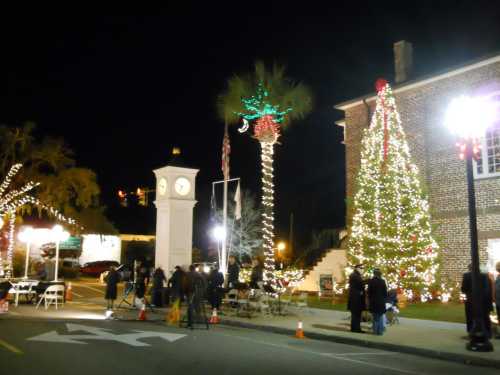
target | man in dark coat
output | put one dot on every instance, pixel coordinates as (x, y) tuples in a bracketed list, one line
[(233, 272), (158, 280), (112, 279), (356, 301), (194, 288), (377, 295), (257, 275), (215, 283), (486, 300), (175, 284)]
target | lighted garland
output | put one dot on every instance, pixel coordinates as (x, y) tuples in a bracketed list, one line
[(391, 227), (11, 201), (266, 117), (258, 106)]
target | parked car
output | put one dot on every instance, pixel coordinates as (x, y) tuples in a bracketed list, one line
[(96, 268)]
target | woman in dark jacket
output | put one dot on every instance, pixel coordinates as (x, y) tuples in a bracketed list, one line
[(112, 279), (377, 295)]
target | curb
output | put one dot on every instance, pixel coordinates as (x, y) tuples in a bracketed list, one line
[(429, 353)]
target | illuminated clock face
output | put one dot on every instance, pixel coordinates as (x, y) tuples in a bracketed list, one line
[(162, 186), (182, 186)]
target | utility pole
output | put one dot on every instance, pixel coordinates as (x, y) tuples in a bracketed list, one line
[(290, 235)]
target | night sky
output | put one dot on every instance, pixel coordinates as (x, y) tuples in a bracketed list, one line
[(123, 90)]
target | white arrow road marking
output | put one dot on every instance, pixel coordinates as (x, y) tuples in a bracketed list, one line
[(103, 334), (53, 336)]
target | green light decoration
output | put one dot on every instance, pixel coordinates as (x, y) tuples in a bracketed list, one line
[(258, 106)]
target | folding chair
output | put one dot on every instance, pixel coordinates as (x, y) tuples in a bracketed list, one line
[(231, 300), (21, 288), (52, 295)]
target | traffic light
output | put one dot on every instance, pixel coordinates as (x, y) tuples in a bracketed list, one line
[(122, 196), (142, 197)]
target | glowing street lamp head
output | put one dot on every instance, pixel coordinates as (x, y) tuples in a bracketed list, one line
[(281, 246), (59, 233), (219, 233), (26, 235), (469, 117)]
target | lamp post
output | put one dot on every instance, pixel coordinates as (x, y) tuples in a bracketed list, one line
[(27, 236), (219, 233), (58, 234), (469, 118), (280, 247)]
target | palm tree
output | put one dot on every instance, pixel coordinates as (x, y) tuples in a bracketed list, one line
[(268, 100)]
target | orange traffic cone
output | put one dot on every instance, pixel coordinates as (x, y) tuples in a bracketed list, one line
[(4, 306), (69, 292), (214, 319), (142, 313), (299, 333)]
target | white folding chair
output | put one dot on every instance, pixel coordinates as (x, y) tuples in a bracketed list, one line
[(52, 295), (21, 288)]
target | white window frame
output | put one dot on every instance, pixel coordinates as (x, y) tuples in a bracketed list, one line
[(484, 149), (484, 160)]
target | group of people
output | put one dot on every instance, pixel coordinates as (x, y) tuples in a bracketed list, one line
[(490, 292), (374, 292), (189, 286), (377, 298)]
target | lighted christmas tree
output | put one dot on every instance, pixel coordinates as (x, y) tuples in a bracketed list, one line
[(391, 227)]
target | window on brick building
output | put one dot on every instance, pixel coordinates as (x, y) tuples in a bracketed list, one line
[(488, 165)]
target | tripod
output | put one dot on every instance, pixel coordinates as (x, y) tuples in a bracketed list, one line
[(130, 287)]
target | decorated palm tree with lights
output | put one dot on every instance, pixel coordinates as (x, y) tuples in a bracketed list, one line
[(267, 101)]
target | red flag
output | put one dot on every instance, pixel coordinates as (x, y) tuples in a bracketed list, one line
[(226, 150)]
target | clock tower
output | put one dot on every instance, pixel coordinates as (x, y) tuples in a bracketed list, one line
[(175, 200)]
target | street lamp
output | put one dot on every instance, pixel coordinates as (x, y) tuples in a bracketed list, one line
[(58, 234), (27, 236), (469, 118), (219, 233), (280, 247)]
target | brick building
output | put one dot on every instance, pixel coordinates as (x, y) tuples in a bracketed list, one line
[(422, 104)]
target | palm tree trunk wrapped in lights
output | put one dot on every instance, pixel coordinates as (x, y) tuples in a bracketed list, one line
[(266, 131), (269, 100)]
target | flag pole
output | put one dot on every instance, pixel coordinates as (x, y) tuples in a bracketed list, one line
[(224, 209)]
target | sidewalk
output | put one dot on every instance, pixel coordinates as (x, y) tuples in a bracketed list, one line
[(434, 339)]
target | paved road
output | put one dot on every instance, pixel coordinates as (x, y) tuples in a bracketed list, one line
[(113, 347)]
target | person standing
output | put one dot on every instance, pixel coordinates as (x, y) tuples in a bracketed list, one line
[(215, 284), (486, 300), (233, 272), (111, 279), (377, 295), (158, 280), (356, 301), (194, 288), (257, 275), (175, 284)]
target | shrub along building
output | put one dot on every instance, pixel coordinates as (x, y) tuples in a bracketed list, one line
[(422, 104)]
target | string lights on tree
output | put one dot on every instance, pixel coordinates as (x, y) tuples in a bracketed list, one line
[(391, 227), (265, 100), (11, 201)]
